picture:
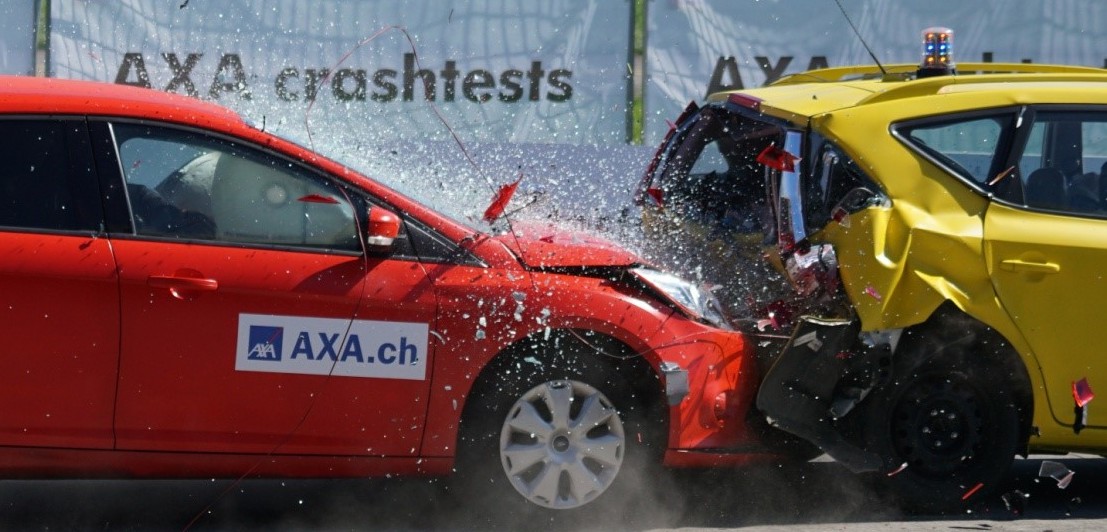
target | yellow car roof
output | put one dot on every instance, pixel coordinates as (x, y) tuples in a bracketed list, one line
[(798, 97)]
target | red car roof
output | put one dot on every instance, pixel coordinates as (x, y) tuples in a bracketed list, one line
[(22, 94)]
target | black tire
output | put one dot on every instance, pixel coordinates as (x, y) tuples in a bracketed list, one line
[(951, 418), (507, 408)]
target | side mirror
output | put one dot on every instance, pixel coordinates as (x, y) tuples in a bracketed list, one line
[(383, 227)]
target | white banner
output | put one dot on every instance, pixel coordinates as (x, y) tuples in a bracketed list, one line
[(698, 45), (498, 70), (17, 37)]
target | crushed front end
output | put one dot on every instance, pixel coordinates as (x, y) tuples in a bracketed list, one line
[(723, 202)]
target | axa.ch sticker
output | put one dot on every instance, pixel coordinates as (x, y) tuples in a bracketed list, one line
[(334, 346)]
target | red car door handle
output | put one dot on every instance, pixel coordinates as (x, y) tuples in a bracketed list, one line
[(182, 283)]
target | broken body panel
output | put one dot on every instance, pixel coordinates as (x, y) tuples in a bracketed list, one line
[(897, 206)]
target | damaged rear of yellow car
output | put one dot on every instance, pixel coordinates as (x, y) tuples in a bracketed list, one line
[(922, 257)]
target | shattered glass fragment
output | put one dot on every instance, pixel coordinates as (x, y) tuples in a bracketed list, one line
[(1057, 471), (871, 292), (780, 313), (656, 195), (519, 307), (1015, 501), (811, 340), (1071, 506), (898, 470), (841, 216)]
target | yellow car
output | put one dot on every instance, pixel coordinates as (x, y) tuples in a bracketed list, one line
[(923, 251)]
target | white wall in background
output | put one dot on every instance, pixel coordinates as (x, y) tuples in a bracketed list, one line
[(747, 42)]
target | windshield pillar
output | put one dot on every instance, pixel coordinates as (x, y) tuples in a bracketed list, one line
[(790, 223)]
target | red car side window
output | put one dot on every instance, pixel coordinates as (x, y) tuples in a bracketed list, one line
[(185, 185), (44, 177)]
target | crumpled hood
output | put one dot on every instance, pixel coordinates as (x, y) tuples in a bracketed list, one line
[(540, 246)]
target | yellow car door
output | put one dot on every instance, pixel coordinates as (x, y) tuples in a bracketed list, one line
[(1046, 256), (1049, 274)]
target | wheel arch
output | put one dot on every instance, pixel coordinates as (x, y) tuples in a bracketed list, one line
[(616, 357), (950, 325)]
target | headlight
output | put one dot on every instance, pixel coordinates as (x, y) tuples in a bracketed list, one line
[(693, 300)]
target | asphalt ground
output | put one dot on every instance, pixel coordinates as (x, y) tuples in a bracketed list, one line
[(820, 495)]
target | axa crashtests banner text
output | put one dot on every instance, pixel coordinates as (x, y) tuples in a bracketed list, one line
[(498, 71)]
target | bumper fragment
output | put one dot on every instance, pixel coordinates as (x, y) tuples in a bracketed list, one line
[(799, 393), (676, 382)]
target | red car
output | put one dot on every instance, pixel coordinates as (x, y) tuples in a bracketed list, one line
[(183, 295)]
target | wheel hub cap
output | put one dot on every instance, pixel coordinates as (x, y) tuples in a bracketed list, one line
[(562, 444)]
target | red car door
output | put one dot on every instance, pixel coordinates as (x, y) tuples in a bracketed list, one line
[(252, 320), (59, 294)]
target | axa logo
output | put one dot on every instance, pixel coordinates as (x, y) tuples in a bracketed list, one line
[(265, 343)]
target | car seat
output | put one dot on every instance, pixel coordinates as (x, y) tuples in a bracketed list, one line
[(258, 203), (1045, 189), (1083, 193), (189, 188)]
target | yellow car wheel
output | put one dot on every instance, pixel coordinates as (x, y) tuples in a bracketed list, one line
[(949, 414)]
